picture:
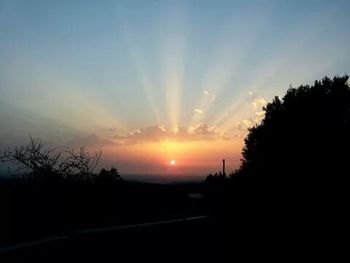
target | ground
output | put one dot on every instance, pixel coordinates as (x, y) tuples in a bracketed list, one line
[(180, 241)]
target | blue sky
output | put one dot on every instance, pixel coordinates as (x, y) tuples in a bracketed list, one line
[(71, 70)]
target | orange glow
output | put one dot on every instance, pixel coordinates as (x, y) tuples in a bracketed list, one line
[(189, 157)]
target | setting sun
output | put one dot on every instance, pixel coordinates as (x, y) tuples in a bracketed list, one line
[(172, 162)]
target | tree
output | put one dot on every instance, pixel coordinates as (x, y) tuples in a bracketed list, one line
[(36, 160), (292, 181), (302, 144), (82, 162), (108, 176)]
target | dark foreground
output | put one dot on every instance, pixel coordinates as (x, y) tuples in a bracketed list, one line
[(182, 241)]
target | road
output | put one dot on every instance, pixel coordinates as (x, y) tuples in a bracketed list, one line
[(178, 240)]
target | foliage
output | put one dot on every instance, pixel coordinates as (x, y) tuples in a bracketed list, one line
[(305, 134)]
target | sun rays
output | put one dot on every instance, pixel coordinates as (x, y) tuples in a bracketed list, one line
[(223, 95), (168, 80), (228, 60), (145, 79), (228, 57), (173, 53)]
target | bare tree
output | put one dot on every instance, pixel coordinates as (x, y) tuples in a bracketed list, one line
[(83, 162), (37, 159), (33, 158)]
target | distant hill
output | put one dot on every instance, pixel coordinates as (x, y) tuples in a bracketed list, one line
[(161, 178)]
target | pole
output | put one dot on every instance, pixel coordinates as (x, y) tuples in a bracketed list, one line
[(223, 167)]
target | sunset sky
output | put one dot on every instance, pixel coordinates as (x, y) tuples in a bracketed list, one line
[(150, 82)]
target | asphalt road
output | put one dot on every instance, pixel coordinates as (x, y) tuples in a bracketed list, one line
[(191, 240)]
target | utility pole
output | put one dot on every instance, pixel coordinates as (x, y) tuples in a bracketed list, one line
[(223, 167)]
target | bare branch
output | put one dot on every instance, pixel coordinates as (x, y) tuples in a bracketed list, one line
[(36, 158), (82, 161)]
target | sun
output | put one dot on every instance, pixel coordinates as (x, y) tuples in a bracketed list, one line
[(172, 162)]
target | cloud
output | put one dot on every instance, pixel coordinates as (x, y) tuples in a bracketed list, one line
[(258, 103), (260, 113), (112, 129), (254, 113), (209, 95), (244, 125), (158, 133), (201, 129), (259, 117), (198, 111)]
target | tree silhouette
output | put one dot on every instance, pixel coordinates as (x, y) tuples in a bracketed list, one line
[(108, 176), (299, 152), (81, 162), (36, 160)]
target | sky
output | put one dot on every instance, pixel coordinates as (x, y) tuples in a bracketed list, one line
[(151, 82)]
